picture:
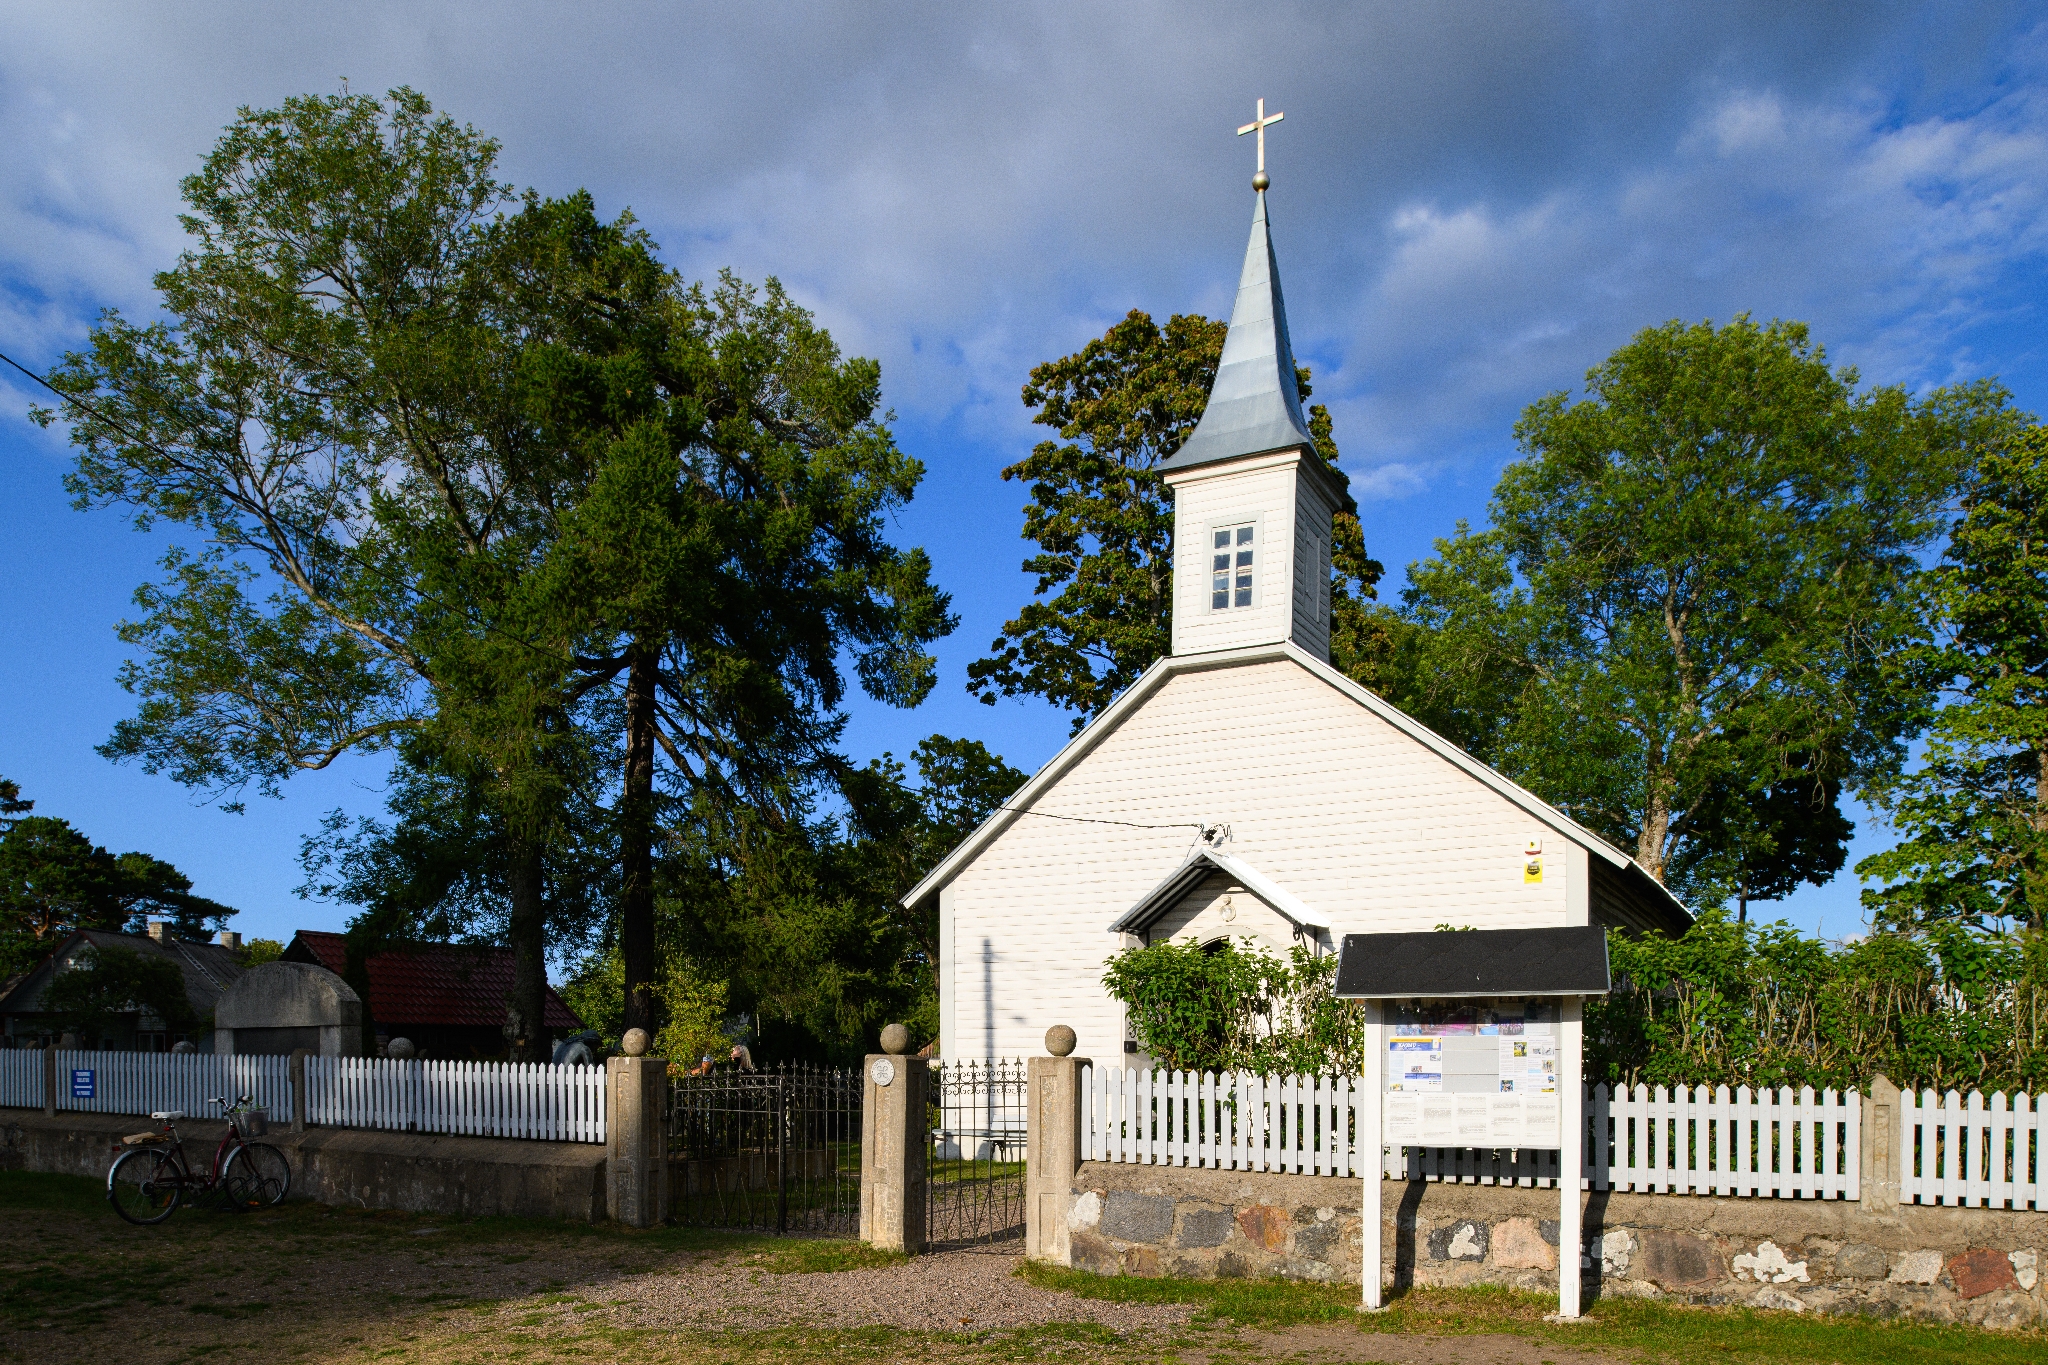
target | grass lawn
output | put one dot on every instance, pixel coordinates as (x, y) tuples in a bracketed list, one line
[(307, 1283), (1638, 1329)]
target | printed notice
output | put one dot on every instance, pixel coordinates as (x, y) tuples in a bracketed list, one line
[(1528, 1066), (1475, 1120), (1415, 1064), (1504, 1120), (1541, 1121), (1404, 1120)]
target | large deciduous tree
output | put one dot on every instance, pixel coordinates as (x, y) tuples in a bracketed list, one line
[(1691, 586), (1102, 516), (1974, 813), (335, 413)]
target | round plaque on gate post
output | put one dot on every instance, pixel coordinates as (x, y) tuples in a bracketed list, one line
[(882, 1071)]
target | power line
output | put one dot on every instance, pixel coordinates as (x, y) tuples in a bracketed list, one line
[(1091, 820)]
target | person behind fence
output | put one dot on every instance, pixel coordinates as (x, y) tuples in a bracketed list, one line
[(741, 1055)]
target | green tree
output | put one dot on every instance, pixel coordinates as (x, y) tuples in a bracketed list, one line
[(1974, 813), (727, 553), (12, 807), (106, 983), (53, 879), (1761, 845), (1102, 516), (337, 410), (1692, 582)]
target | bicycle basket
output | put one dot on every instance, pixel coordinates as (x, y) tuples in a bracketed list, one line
[(253, 1122)]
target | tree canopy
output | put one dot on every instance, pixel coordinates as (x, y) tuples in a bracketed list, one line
[(1974, 812), (473, 480), (1677, 625)]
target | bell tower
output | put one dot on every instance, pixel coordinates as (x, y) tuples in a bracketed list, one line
[(1252, 500)]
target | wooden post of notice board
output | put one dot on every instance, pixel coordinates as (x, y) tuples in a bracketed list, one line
[(1371, 1149)]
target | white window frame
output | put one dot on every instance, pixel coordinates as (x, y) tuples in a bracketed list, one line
[(1259, 566)]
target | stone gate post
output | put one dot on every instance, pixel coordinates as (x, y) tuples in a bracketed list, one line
[(895, 1143), (636, 1135), (1052, 1152), (1878, 1162)]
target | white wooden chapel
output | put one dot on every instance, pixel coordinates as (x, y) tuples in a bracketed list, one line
[(1242, 788)]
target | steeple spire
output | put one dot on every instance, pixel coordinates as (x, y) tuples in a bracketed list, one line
[(1255, 403)]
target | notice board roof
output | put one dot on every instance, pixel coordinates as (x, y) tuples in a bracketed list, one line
[(1565, 961)]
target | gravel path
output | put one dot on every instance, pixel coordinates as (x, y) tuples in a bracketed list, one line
[(948, 1291)]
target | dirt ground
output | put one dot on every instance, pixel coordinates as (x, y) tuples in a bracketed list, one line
[(306, 1283)]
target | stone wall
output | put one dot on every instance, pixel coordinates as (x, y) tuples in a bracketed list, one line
[(421, 1173), (1874, 1258)]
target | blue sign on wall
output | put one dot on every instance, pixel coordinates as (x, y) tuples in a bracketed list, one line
[(81, 1084)]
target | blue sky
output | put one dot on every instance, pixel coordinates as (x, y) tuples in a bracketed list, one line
[(1472, 205)]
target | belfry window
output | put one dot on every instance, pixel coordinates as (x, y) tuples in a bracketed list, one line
[(1230, 567)]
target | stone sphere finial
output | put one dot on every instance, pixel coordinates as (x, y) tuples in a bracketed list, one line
[(1060, 1040), (400, 1047), (895, 1039), (1260, 181), (635, 1043)]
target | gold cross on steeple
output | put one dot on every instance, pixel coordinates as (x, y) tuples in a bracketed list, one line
[(1258, 125)]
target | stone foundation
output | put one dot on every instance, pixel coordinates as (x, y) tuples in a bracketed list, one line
[(1943, 1265)]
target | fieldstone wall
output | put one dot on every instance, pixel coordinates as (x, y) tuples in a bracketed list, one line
[(1944, 1265)]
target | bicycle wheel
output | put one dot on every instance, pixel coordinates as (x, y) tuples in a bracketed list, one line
[(145, 1185), (256, 1176)]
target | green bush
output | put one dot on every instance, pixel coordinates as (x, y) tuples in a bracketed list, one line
[(1724, 1004), (1735, 1004), (1231, 1008)]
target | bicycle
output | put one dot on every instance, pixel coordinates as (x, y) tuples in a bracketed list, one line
[(146, 1185)]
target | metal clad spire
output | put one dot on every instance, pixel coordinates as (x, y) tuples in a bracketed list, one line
[(1255, 403)]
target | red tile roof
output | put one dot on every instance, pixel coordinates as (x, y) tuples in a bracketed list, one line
[(435, 983)]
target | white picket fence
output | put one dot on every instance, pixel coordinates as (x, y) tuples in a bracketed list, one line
[(153, 1082), (1763, 1144), (481, 1099), (1781, 1144), (1972, 1152), (21, 1079), (1305, 1125)]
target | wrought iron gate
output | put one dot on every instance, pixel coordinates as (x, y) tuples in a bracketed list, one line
[(974, 1186), (773, 1151)]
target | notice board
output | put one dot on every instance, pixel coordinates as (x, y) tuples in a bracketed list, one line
[(1472, 1073)]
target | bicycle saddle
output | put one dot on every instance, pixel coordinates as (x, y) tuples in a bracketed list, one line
[(168, 1115)]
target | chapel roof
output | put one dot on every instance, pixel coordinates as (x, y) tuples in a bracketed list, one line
[(1255, 404), (431, 983)]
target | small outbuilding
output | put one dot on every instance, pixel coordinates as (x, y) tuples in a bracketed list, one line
[(448, 999), (285, 1006)]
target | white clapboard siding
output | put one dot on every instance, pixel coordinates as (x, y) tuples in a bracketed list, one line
[(152, 1082), (1972, 1151), (1771, 1144), (21, 1079), (479, 1099), (1317, 789)]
